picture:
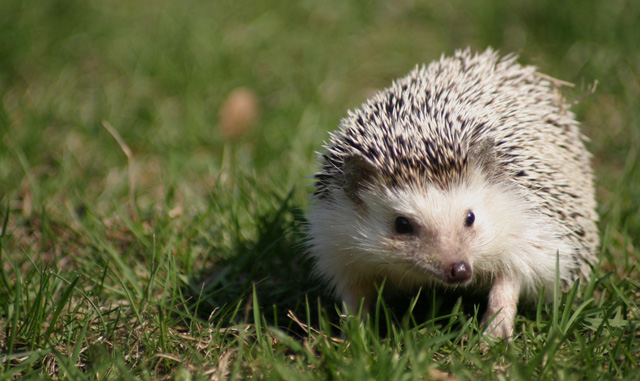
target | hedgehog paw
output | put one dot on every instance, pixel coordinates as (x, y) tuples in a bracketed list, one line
[(502, 308)]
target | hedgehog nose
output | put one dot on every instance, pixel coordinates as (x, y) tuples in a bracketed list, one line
[(459, 272)]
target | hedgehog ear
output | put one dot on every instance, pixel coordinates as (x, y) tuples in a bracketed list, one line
[(358, 175), (484, 156)]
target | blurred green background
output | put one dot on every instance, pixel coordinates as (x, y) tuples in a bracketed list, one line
[(159, 72)]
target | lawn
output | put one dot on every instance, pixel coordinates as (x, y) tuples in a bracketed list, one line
[(147, 231)]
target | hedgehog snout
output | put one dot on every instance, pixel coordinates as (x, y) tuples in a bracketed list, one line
[(458, 272)]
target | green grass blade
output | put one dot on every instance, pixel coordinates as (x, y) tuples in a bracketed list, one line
[(64, 299)]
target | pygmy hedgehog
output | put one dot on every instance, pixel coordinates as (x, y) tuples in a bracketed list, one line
[(470, 172)]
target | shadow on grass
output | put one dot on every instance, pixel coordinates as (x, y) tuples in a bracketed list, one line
[(274, 266)]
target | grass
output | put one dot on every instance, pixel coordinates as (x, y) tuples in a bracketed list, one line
[(177, 252)]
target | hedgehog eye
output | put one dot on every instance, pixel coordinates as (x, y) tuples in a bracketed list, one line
[(403, 226), (469, 219)]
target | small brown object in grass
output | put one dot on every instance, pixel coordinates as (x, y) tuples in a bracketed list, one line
[(238, 112)]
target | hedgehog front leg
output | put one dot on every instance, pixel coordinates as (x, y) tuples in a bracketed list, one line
[(355, 292), (503, 302)]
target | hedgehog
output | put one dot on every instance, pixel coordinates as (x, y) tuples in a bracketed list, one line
[(468, 173)]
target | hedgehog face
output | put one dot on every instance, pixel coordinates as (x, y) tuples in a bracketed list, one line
[(411, 233), (433, 234)]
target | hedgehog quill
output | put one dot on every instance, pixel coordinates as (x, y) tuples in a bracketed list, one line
[(470, 172)]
